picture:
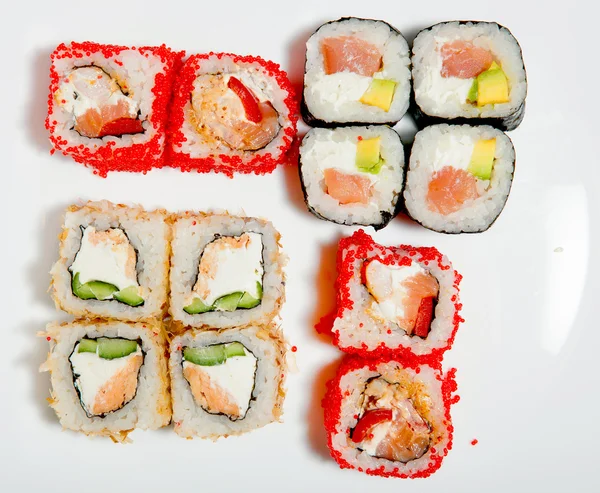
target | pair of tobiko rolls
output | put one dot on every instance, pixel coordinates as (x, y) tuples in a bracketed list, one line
[(387, 412), (118, 108), (123, 270), (467, 78)]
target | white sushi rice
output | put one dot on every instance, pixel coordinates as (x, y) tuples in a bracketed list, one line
[(263, 85), (335, 97), (358, 329), (148, 233), (266, 405), (445, 97), (352, 386), (191, 233), (436, 146), (129, 68), (336, 148), (151, 406)]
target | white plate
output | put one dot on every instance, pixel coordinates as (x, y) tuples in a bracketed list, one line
[(526, 355)]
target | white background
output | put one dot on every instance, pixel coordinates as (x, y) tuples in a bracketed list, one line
[(526, 356)]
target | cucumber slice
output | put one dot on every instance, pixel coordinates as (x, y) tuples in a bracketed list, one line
[(197, 307), (205, 356), (249, 301), (234, 349), (82, 291), (129, 296), (87, 346), (115, 348), (102, 290), (229, 302)]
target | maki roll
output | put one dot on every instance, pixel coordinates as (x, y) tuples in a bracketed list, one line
[(231, 114), (226, 382), (108, 377), (352, 175), (468, 72), (108, 104), (113, 262), (459, 177), (226, 271), (389, 418), (400, 301), (357, 71)]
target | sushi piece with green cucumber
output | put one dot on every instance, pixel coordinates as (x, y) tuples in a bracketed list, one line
[(108, 377), (226, 271), (226, 382), (113, 262)]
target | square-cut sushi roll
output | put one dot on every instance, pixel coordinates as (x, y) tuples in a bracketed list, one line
[(468, 72), (357, 72), (459, 177), (108, 378), (231, 114), (226, 271), (389, 417), (353, 175), (114, 262), (226, 382), (108, 104), (401, 301)]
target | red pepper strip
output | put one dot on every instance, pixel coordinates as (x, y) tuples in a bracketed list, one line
[(424, 316), (121, 126), (250, 103), (368, 421)]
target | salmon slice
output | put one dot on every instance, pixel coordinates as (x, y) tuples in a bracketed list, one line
[(417, 288), (209, 395), (449, 189), (350, 54), (464, 60), (250, 136), (120, 389), (407, 438), (92, 122), (347, 188)]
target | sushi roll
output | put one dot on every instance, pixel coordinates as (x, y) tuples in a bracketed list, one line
[(231, 114), (459, 177), (401, 301), (226, 382), (357, 72), (107, 106), (108, 377), (468, 72), (226, 271), (352, 175), (114, 262), (389, 418)]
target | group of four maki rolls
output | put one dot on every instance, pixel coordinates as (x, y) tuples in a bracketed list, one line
[(163, 331), (387, 411)]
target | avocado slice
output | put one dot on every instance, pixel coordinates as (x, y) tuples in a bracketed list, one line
[(492, 86), (248, 301), (472, 96), (87, 346), (115, 348), (482, 159), (129, 296), (368, 155), (197, 307), (229, 302), (234, 349), (205, 356), (379, 93)]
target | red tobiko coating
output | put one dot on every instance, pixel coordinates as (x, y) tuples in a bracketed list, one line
[(332, 407), (363, 243), (106, 157), (224, 163)]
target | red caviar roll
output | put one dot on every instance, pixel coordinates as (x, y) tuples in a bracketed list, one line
[(231, 114), (387, 418), (401, 301), (108, 104)]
